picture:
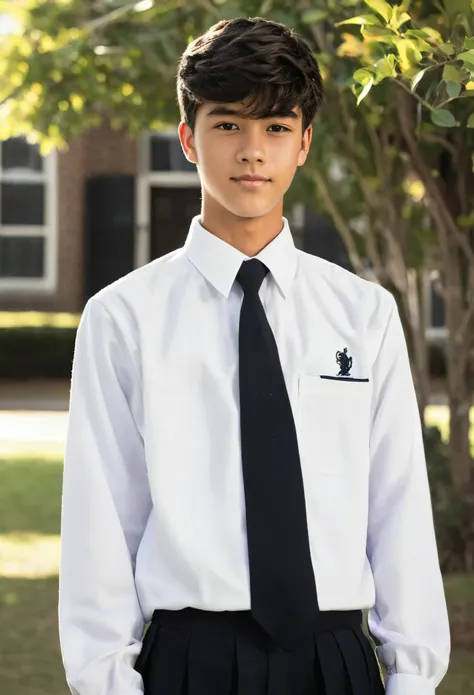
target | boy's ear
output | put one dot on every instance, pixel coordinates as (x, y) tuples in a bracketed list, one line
[(186, 139), (305, 145)]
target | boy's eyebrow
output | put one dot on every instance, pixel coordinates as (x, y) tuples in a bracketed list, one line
[(226, 111)]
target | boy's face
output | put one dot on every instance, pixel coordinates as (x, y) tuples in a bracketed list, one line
[(226, 146)]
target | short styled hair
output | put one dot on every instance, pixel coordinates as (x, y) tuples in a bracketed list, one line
[(249, 57)]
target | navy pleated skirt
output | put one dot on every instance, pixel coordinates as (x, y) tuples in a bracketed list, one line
[(194, 652)]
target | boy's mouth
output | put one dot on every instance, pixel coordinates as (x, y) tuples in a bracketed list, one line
[(251, 183), (251, 180)]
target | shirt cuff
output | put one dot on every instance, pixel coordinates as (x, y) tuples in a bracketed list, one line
[(408, 684)]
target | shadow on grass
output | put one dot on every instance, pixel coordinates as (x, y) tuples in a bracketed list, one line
[(30, 502), (30, 495), (30, 659)]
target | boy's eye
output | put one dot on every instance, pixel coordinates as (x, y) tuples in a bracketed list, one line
[(271, 126)]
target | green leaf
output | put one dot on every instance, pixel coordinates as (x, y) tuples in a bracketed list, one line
[(363, 76), (443, 118), (467, 58), (470, 121), (363, 19), (398, 18), (311, 16), (418, 40), (451, 73), (455, 7), (417, 34), (453, 89), (415, 81), (433, 34), (468, 43), (380, 6), (365, 91), (379, 34), (447, 48), (411, 73), (386, 67), (408, 52)]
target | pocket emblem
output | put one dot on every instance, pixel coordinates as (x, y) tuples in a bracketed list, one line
[(344, 361)]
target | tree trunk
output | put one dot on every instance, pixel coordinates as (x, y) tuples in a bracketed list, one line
[(461, 466), (459, 426), (412, 307), (460, 400)]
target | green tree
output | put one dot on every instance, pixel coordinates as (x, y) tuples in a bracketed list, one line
[(64, 66), (419, 56)]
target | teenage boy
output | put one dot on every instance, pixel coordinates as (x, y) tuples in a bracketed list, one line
[(244, 465)]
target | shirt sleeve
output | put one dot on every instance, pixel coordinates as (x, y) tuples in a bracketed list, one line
[(105, 507), (409, 617)]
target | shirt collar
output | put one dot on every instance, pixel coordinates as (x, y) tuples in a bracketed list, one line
[(219, 262)]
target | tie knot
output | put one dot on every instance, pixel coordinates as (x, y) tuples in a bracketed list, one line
[(251, 275)]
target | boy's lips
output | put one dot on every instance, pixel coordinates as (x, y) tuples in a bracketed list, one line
[(251, 177), (251, 183)]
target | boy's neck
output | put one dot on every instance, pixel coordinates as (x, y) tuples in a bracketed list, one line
[(249, 235)]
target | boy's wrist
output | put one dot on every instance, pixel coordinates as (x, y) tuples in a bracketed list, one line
[(408, 684)]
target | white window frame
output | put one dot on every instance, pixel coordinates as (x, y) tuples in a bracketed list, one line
[(145, 180), (49, 230)]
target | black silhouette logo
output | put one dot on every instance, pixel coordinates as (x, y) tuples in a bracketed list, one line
[(344, 361)]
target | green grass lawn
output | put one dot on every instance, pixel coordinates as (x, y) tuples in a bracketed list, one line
[(30, 663), (438, 416)]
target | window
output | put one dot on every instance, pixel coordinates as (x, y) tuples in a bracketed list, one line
[(162, 165), (436, 318), (27, 216), (166, 153)]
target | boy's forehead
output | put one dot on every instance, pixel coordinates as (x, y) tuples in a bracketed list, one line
[(237, 108)]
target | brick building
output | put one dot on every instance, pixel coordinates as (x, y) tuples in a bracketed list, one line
[(75, 221)]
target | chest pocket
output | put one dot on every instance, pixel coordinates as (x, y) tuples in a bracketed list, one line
[(333, 424)]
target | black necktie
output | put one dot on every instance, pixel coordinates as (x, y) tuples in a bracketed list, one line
[(282, 585)]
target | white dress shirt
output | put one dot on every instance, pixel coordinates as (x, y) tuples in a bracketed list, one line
[(153, 511)]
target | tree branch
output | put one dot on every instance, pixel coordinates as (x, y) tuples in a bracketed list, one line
[(391, 231), (369, 196), (430, 137), (14, 95), (340, 223), (94, 24), (413, 94), (351, 141), (317, 30), (440, 213)]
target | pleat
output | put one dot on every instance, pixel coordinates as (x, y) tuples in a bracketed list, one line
[(192, 654), (169, 660), (252, 665), (376, 681), (278, 671), (332, 665), (355, 661), (210, 661), (304, 669), (235, 672), (320, 688)]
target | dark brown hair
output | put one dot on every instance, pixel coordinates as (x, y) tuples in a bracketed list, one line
[(249, 57)]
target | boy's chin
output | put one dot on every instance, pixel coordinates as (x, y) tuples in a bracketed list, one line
[(249, 211)]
